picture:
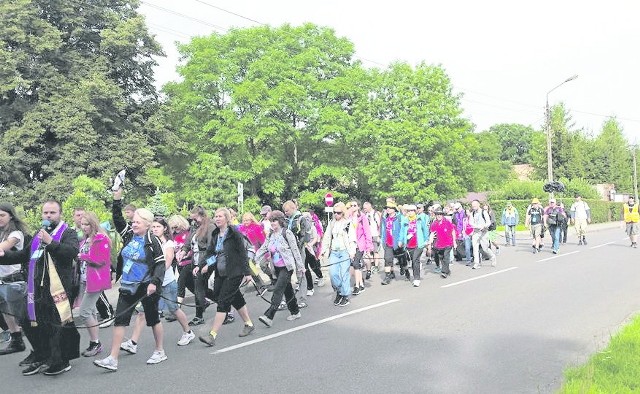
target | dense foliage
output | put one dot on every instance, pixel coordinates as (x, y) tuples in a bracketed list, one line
[(287, 111)]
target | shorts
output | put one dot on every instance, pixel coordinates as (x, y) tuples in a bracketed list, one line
[(536, 230), (126, 305), (357, 262), (170, 296), (376, 243), (632, 229)]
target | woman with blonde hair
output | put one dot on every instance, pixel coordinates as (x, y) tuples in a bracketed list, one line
[(142, 276), (226, 255), (95, 275), (180, 230), (339, 247)]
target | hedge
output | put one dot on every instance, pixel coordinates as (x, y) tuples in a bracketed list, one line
[(601, 211)]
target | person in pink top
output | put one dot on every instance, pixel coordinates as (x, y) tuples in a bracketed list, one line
[(364, 241), (95, 275), (441, 239), (253, 230)]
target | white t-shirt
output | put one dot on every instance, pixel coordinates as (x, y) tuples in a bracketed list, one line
[(579, 209), (169, 276), (10, 269)]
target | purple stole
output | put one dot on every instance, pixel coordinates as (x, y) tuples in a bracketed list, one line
[(36, 253)]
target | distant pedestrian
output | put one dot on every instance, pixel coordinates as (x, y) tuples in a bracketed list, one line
[(631, 218), (510, 219), (553, 218), (535, 223), (580, 216)]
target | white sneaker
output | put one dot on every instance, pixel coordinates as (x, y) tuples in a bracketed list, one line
[(107, 363), (320, 282), (186, 338), (310, 292), (416, 283), (157, 357), (129, 347), (294, 317)]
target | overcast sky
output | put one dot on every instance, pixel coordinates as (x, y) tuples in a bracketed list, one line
[(503, 56)]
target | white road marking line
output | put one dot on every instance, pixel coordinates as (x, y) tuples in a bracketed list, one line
[(302, 327), (558, 256), (599, 246), (477, 277)]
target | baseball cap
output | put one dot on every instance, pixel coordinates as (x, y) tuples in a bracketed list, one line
[(535, 201)]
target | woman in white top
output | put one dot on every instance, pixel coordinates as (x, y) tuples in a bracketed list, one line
[(339, 247), (12, 231), (160, 228)]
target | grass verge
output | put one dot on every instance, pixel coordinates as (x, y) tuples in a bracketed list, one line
[(615, 369)]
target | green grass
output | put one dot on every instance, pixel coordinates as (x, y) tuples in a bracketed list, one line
[(615, 369)]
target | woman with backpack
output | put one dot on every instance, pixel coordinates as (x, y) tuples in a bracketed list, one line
[(12, 236), (226, 255), (281, 250)]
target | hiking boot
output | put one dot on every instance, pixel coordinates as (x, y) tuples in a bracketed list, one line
[(584, 240), (58, 368), (93, 349), (356, 291), (393, 274), (157, 357), (186, 338), (107, 363), (30, 359), (129, 347), (402, 270), (361, 288), (337, 300), (266, 321), (246, 330), (385, 281), (196, 321), (368, 275), (16, 344)]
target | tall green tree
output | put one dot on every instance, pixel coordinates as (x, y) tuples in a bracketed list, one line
[(610, 157), (76, 88), (515, 142)]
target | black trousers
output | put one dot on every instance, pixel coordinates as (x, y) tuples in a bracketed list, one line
[(202, 291), (311, 264), (104, 307)]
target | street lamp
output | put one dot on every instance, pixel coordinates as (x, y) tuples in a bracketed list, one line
[(548, 127)]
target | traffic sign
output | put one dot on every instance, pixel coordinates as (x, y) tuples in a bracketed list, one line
[(328, 199)]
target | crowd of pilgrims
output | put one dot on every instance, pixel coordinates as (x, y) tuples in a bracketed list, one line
[(65, 268)]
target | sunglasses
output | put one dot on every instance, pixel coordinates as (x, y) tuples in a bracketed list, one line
[(338, 212), (354, 205)]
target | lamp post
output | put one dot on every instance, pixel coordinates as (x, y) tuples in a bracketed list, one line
[(548, 127)]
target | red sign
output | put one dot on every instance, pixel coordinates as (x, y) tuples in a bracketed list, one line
[(328, 199)]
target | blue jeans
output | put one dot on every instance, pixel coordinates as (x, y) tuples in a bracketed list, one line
[(510, 234), (554, 232), (339, 271), (467, 249), (169, 291)]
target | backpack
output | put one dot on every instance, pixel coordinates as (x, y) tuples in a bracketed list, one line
[(491, 220), (554, 217), (301, 229), (536, 215)]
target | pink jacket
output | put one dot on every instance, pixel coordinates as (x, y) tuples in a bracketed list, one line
[(363, 234), (98, 263), (255, 233)]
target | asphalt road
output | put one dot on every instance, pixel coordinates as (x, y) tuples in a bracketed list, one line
[(509, 329)]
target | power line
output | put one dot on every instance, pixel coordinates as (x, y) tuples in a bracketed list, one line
[(184, 16), (229, 12)]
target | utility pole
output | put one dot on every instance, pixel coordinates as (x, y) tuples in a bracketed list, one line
[(548, 130), (635, 173)]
